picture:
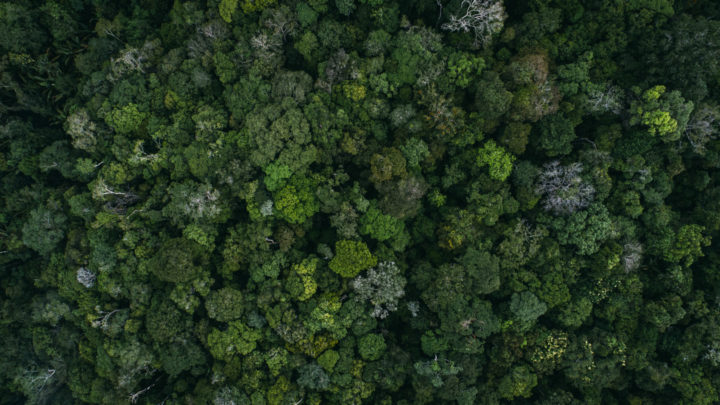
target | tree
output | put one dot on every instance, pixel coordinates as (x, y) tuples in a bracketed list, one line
[(556, 135), (484, 17), (126, 119), (515, 137), (345, 7), (604, 98), (236, 339), (225, 304), (498, 160), (85, 277), (702, 127), (522, 242), (380, 226), (387, 165), (683, 53), (463, 67), (565, 191), (44, 229), (382, 286), (208, 122), (402, 198), (688, 244), (192, 202), (415, 151), (296, 202), (82, 130), (300, 283), (519, 383), (164, 322), (22, 33), (584, 229), (483, 268), (371, 346), (351, 258), (184, 258), (492, 98), (665, 114), (526, 307), (227, 8), (313, 377), (436, 369), (182, 356)]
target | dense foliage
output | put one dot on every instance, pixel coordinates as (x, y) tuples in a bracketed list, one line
[(359, 201)]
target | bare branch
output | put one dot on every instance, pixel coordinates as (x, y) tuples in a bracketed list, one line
[(565, 191), (483, 17)]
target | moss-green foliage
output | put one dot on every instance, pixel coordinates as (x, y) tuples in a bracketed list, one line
[(371, 346), (498, 160), (177, 261), (43, 230), (351, 258), (164, 322), (125, 119), (296, 204), (235, 339), (518, 383), (526, 307), (688, 244), (181, 357), (328, 360), (664, 114), (556, 135), (301, 283), (225, 304), (227, 8), (359, 202), (380, 226), (585, 229)]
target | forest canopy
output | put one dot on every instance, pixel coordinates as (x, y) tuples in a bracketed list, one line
[(284, 202)]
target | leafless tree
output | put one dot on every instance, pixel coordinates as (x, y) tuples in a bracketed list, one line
[(483, 17), (632, 256), (608, 98), (265, 42), (703, 127), (103, 318), (382, 286), (282, 22), (102, 190), (132, 59), (116, 201), (336, 70), (81, 129), (267, 46), (140, 156), (39, 379), (713, 354), (431, 72), (135, 396), (214, 30), (198, 46), (266, 209), (546, 100), (203, 204), (85, 277), (564, 190), (414, 308)]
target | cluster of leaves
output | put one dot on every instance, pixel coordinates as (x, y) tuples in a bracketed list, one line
[(359, 201)]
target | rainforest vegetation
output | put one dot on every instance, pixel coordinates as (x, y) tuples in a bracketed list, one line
[(285, 202)]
